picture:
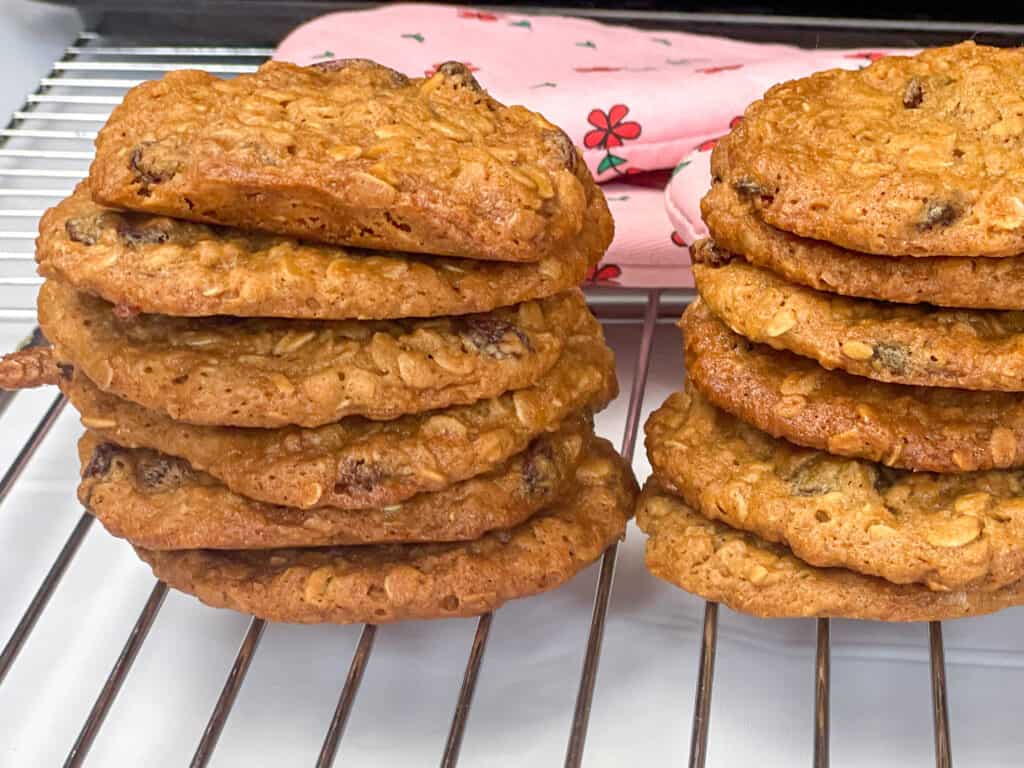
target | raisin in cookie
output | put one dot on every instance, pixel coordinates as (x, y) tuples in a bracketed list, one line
[(260, 372), (352, 153), (384, 583), (914, 156), (921, 428), (167, 266), (752, 576), (906, 344)]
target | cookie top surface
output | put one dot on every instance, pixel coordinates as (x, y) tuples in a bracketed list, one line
[(347, 152), (906, 344), (167, 266), (752, 576), (386, 583), (948, 281), (915, 156), (357, 463), (946, 531), (920, 428), (263, 372), (160, 502)]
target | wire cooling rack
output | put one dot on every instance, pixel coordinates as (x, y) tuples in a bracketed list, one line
[(44, 148)]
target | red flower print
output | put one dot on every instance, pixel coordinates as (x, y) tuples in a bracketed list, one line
[(587, 70), (603, 273), (707, 146), (677, 239), (713, 70), (465, 13), (609, 128), (869, 55), (433, 68)]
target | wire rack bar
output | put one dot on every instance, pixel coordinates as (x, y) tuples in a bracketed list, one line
[(348, 696), (21, 281), (458, 728), (150, 66), (69, 117), (88, 82), (940, 705), (43, 595), (164, 50), (588, 677), (228, 695), (29, 192), (822, 685), (42, 154), (705, 684), (29, 133), (116, 677), (54, 98)]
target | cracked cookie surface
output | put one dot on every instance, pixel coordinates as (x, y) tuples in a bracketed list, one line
[(947, 281), (172, 267), (905, 344), (920, 428), (160, 502), (255, 372), (916, 156), (348, 152), (358, 463), (752, 576), (384, 583), (949, 531)]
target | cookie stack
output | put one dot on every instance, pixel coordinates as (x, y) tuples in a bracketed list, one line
[(851, 437), (322, 326)]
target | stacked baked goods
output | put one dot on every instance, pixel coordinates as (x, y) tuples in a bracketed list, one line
[(850, 439), (323, 328)]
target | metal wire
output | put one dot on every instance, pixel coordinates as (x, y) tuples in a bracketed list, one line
[(705, 685), (588, 677), (347, 698), (940, 713), (822, 684), (476, 655)]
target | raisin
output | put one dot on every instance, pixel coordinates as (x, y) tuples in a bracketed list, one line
[(892, 357), (885, 477), (356, 474), (66, 371), (913, 94), (83, 230), (707, 252), (538, 468), (489, 336), (99, 464), (337, 65), (814, 477), (134, 230), (162, 473), (938, 213), (147, 168), (460, 75), (749, 188)]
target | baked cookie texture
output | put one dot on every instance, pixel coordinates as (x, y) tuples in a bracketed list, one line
[(906, 344), (154, 264), (747, 574), (28, 368), (785, 395), (160, 502), (358, 463), (915, 156), (738, 230), (945, 531), (256, 372), (352, 153), (384, 583)]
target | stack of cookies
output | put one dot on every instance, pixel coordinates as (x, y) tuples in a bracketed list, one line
[(322, 326), (851, 437)]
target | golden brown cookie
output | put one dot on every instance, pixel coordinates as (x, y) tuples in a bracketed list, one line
[(947, 281), (922, 428), (157, 501), (27, 368), (172, 267), (357, 463), (920, 345), (947, 531), (914, 156), (752, 576), (349, 152), (253, 372), (385, 583)]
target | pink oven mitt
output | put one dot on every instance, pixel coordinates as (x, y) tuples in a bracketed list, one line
[(635, 100)]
